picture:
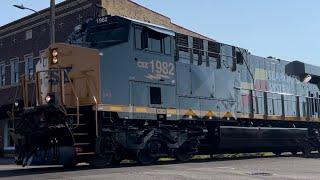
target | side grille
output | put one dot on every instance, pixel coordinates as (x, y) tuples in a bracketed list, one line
[(197, 46), (214, 49), (182, 41)]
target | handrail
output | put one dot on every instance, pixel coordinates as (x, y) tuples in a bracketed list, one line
[(279, 93), (202, 50), (77, 98), (312, 103), (246, 63), (74, 92), (12, 114), (206, 59), (96, 103)]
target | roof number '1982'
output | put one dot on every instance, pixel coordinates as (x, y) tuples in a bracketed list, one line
[(102, 20)]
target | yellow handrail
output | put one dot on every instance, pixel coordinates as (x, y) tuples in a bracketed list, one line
[(77, 98), (73, 90), (96, 103)]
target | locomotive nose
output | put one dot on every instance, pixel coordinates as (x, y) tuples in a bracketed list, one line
[(48, 146)]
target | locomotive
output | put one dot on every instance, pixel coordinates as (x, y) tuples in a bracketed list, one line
[(121, 89)]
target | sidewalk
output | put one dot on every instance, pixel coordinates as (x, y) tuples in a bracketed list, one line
[(6, 161)]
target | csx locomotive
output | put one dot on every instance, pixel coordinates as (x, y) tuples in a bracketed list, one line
[(126, 89)]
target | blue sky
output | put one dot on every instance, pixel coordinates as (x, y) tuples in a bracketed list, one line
[(286, 29)]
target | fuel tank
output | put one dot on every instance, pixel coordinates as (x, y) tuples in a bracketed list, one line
[(234, 139)]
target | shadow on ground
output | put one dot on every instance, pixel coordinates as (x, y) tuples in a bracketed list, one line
[(56, 169)]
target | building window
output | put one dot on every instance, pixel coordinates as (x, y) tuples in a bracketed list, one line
[(29, 67), (8, 141), (2, 74), (29, 34), (155, 95), (15, 71)]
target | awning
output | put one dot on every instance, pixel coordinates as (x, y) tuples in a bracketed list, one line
[(154, 27)]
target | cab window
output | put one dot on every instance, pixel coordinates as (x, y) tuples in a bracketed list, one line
[(153, 41)]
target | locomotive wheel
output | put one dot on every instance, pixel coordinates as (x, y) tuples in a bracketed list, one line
[(294, 152), (145, 158), (148, 155), (103, 158), (183, 154), (277, 153), (101, 162), (119, 155), (70, 164), (116, 159), (306, 151)]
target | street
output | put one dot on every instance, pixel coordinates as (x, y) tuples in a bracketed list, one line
[(270, 167)]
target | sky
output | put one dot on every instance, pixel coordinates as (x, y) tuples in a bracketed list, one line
[(285, 29)]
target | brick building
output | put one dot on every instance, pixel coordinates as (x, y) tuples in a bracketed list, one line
[(23, 41)]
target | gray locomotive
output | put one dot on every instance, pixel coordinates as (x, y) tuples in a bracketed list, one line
[(126, 89)]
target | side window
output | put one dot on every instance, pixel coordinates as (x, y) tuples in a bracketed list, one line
[(155, 95), (148, 39), (155, 42), (167, 45), (137, 37)]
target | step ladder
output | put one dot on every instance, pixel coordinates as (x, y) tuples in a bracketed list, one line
[(84, 144)]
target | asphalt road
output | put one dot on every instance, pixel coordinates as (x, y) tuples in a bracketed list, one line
[(285, 167)]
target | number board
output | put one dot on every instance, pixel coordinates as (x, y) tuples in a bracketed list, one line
[(101, 20)]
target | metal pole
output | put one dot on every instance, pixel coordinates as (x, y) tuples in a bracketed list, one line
[(52, 21)]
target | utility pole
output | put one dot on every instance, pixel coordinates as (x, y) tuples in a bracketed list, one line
[(52, 21)]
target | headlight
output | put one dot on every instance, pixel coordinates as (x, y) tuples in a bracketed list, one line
[(49, 98), (54, 53), (55, 60), (16, 104), (54, 56)]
